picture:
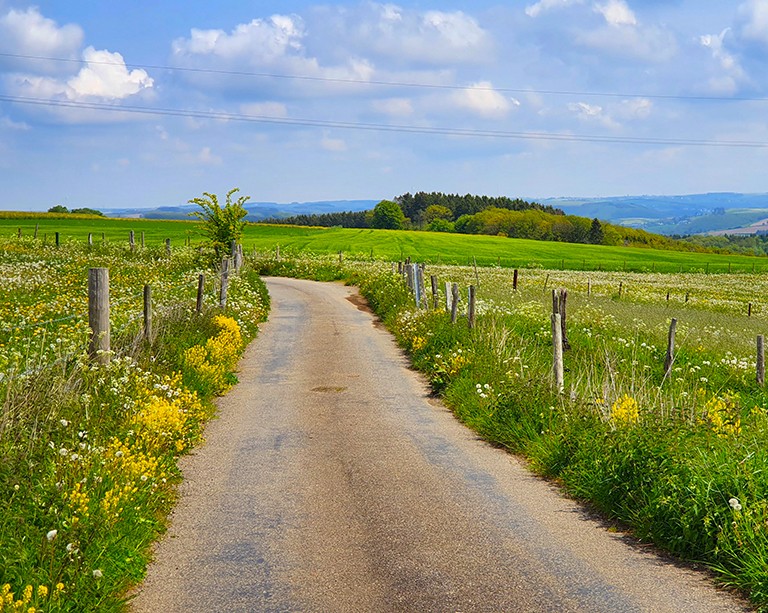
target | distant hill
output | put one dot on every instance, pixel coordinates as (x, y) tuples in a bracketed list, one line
[(688, 214), (257, 211)]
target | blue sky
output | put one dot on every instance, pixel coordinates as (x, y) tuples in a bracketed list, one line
[(148, 103)]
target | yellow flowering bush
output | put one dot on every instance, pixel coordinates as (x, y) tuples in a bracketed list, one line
[(30, 600), (625, 412), (213, 362), (722, 415)]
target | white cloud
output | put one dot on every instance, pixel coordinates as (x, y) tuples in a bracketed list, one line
[(394, 107), (650, 44), (412, 37), (617, 13), (731, 73), (260, 41), (206, 158), (534, 10), (753, 16), (105, 75), (637, 108), (6, 123), (483, 100), (592, 113), (29, 33)]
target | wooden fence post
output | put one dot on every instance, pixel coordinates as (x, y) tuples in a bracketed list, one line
[(563, 297), (557, 352), (277, 252), (749, 310), (37, 227), (224, 283), (514, 280), (90, 239), (761, 360), (58, 239), (435, 297), (148, 313), (421, 294), (471, 309), (98, 314), (131, 240), (447, 297), (454, 302), (200, 288), (589, 286), (168, 247), (670, 358)]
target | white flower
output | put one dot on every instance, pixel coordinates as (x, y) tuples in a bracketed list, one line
[(64, 422), (63, 451), (51, 534), (70, 547), (735, 504), (97, 574)]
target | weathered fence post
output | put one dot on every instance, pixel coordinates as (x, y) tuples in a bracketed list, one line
[(37, 227), (19, 233), (435, 297), (277, 252), (670, 358), (58, 239), (514, 280), (589, 286), (224, 283), (148, 313), (98, 314), (749, 310), (454, 302), (546, 282), (471, 308), (142, 240), (341, 257), (557, 352), (200, 289), (761, 360), (421, 293), (168, 247), (447, 297), (621, 288), (131, 240), (560, 305), (90, 239)]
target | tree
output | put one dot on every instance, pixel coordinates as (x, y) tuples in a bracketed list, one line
[(388, 215), (436, 211), (59, 208), (221, 225), (87, 211), (596, 234)]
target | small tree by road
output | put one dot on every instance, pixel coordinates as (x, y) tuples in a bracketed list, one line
[(221, 224)]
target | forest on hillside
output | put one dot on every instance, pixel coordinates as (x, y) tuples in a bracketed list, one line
[(515, 218)]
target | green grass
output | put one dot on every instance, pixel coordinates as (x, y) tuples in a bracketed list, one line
[(431, 247)]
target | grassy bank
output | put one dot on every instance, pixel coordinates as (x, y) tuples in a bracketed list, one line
[(677, 458), (88, 452)]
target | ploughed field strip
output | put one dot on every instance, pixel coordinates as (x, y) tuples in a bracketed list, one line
[(333, 482)]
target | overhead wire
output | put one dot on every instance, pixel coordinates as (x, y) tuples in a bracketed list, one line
[(348, 125)]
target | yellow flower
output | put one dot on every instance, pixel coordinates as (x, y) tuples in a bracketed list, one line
[(42, 591), (624, 411)]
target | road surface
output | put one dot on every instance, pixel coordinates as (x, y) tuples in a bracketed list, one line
[(332, 482)]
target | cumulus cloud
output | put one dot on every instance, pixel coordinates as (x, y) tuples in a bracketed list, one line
[(480, 98), (104, 76), (592, 114), (617, 13), (534, 10), (411, 37), (753, 21), (27, 32), (730, 73)]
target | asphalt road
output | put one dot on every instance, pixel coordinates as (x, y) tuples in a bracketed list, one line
[(332, 482)]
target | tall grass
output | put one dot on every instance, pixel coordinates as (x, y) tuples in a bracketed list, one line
[(88, 452)]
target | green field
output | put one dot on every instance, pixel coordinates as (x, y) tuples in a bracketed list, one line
[(395, 245)]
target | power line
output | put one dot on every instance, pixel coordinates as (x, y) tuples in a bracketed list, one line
[(409, 84), (346, 125)]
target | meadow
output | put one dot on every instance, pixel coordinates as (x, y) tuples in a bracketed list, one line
[(677, 459), (431, 247), (88, 451)]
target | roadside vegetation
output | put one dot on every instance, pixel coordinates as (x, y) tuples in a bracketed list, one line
[(88, 452), (678, 459)]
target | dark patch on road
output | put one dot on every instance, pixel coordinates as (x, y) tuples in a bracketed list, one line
[(328, 389)]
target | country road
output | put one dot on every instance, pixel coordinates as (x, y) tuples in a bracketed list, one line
[(332, 482)]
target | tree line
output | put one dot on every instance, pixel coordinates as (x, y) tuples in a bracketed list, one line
[(515, 218)]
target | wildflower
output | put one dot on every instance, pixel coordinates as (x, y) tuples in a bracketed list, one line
[(51, 534), (63, 451), (59, 587), (42, 591), (735, 504), (64, 422), (97, 574), (625, 411)]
